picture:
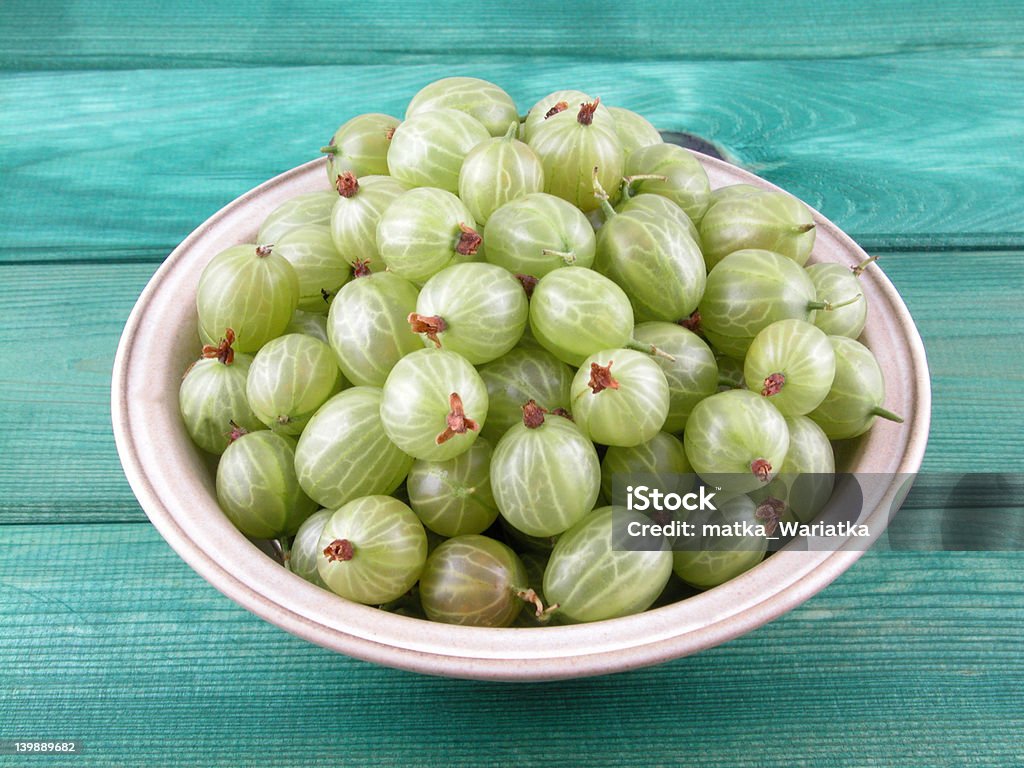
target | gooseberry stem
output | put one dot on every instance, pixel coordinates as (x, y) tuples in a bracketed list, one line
[(339, 549), (886, 414), (329, 149), (773, 384), (602, 197), (530, 596), (587, 109), (649, 349), (284, 544), (236, 431), (601, 377), (513, 130), (223, 351), (529, 282), (569, 257), (762, 469), (347, 184), (457, 420), (863, 265), (558, 106), (769, 512), (629, 181), (828, 306), (533, 414), (361, 268), (469, 240), (429, 325), (691, 323)]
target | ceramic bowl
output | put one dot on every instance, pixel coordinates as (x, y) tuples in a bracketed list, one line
[(174, 484)]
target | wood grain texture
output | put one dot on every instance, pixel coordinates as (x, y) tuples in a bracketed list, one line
[(125, 125), (123, 165), (181, 33), (60, 463), (109, 638)]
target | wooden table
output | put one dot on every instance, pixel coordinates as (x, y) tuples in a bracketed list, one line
[(124, 125)]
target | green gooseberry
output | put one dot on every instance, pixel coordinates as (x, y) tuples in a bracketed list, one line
[(251, 290), (476, 310), (318, 265), (688, 364), (715, 557), (661, 461), (368, 326), (571, 144), (834, 281), (791, 363), (685, 181), (770, 220), (545, 473), (304, 553), (751, 289), (620, 397), (521, 375), (655, 261), (807, 477), (480, 99), (594, 574), (360, 146), (858, 391), (309, 324), (433, 404), (538, 233), (474, 581), (453, 497), (289, 379), (553, 104), (425, 230), (372, 550), (427, 150), (310, 209), (355, 215), (212, 397), (736, 440), (257, 487), (634, 131), (344, 453), (497, 171)]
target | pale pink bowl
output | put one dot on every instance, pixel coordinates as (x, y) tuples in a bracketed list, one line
[(173, 482)]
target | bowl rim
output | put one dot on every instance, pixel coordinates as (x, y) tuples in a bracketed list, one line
[(615, 645)]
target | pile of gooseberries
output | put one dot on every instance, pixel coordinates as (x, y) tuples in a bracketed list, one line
[(423, 381)]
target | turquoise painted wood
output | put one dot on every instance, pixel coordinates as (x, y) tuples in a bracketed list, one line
[(903, 661), (125, 125), (92, 34), (889, 148)]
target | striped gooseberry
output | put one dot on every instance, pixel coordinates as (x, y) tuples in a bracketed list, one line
[(434, 404), (476, 310), (344, 453), (619, 397), (372, 550), (545, 474)]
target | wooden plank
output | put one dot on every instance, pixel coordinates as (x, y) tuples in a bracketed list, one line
[(894, 150), (111, 639), (60, 325), (98, 35)]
